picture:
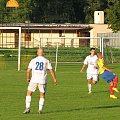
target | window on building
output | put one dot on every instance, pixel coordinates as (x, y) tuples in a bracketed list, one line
[(60, 33), (28, 36)]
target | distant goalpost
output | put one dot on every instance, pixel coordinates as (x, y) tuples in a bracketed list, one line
[(101, 44), (57, 45), (19, 41)]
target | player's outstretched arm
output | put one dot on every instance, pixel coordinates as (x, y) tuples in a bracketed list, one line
[(106, 68), (28, 75), (54, 77), (82, 68)]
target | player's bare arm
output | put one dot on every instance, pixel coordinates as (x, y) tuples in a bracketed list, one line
[(106, 69), (28, 75), (83, 68), (54, 77)]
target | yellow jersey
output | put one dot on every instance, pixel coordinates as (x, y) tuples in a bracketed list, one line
[(101, 63)]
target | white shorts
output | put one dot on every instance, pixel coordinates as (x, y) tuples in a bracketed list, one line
[(92, 76), (33, 86)]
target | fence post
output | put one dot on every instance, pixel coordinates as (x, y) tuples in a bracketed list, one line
[(40, 43), (102, 46), (19, 49), (56, 58)]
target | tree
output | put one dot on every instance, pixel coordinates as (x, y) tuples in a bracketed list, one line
[(16, 15), (91, 6), (78, 6), (61, 11), (38, 7), (113, 15)]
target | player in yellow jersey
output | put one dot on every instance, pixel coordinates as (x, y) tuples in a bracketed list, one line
[(107, 75)]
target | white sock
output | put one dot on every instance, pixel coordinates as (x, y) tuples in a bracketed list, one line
[(89, 87), (41, 104), (28, 100)]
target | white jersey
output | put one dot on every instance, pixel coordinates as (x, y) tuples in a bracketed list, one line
[(39, 66), (91, 62)]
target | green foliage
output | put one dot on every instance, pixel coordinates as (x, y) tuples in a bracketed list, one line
[(62, 11), (90, 7), (2, 4), (67, 54), (49, 11), (64, 54), (53, 11), (113, 14)]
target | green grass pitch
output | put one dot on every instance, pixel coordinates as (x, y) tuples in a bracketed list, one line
[(67, 101)]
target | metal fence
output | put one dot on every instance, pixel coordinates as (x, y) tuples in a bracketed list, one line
[(110, 46), (72, 49), (11, 42)]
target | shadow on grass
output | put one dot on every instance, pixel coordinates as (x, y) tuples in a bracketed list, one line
[(106, 91), (84, 108)]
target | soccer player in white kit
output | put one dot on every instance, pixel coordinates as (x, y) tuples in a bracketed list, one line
[(92, 71), (39, 66)]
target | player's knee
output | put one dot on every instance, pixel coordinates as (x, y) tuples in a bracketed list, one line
[(115, 79), (29, 93), (111, 83), (42, 95), (94, 82), (89, 81)]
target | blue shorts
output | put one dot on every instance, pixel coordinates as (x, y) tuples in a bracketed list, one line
[(108, 76)]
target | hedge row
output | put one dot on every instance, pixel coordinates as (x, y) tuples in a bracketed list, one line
[(64, 54)]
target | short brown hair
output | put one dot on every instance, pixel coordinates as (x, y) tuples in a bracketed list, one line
[(92, 48), (99, 53)]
